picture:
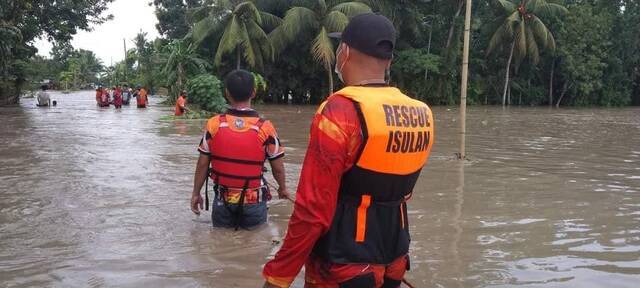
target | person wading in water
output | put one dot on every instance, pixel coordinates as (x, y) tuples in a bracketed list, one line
[(368, 145), (181, 104), (141, 98), (43, 99), (236, 145)]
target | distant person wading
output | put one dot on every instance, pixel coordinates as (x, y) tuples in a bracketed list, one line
[(181, 104), (43, 99), (142, 97), (368, 145), (235, 145)]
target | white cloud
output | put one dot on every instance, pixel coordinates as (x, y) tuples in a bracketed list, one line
[(130, 17)]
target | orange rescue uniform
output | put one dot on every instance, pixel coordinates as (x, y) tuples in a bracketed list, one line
[(180, 104), (350, 225), (142, 98)]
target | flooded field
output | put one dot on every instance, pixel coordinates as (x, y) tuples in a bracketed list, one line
[(94, 197)]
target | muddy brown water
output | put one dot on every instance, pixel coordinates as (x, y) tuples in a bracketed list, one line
[(93, 197)]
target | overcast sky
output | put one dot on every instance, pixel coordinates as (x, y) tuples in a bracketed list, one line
[(129, 17)]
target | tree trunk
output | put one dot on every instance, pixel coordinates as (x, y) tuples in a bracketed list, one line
[(330, 81), (553, 67), (453, 24), (238, 57), (506, 76), (426, 71), (565, 87), (179, 77)]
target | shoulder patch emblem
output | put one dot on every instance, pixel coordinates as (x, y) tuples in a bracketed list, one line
[(239, 123)]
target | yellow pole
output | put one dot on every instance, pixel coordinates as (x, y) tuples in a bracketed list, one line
[(465, 79)]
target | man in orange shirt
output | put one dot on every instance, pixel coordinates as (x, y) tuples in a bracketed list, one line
[(181, 104), (142, 99), (235, 145), (367, 146)]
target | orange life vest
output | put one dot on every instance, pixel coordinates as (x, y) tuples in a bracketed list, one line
[(370, 222), (237, 155)]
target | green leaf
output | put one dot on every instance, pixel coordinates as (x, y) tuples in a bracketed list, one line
[(352, 8), (322, 49)]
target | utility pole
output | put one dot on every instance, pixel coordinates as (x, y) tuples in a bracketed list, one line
[(465, 80)]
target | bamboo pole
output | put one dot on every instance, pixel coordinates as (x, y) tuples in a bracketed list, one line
[(465, 80)]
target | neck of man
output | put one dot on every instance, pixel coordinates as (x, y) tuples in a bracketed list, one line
[(364, 77), (241, 105)]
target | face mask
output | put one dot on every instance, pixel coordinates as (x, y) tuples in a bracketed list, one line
[(339, 70)]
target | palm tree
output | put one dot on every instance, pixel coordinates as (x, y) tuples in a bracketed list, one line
[(524, 32), (316, 18), (242, 26), (181, 59)]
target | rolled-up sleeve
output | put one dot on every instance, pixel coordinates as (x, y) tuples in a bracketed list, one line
[(272, 145)]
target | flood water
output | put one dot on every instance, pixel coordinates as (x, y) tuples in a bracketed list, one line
[(93, 197)]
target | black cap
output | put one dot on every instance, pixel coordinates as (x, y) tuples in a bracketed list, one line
[(371, 34)]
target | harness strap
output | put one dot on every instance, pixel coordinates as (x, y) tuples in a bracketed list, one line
[(239, 211), (206, 189), (218, 174), (239, 161)]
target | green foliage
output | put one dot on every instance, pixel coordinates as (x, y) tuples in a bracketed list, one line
[(182, 61), (584, 58), (190, 115), (319, 20), (172, 17), (259, 82), (206, 91), (411, 65), (22, 21), (243, 31)]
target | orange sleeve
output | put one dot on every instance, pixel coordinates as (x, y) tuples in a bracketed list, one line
[(209, 131)]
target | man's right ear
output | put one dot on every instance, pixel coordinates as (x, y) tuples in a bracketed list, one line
[(227, 95)]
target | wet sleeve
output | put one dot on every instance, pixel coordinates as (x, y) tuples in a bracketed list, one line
[(203, 147), (210, 127), (272, 145), (328, 156)]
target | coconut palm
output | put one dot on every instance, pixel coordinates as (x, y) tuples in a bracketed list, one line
[(181, 59), (520, 27), (242, 26), (317, 18)]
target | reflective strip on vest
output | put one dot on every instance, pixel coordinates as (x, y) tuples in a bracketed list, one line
[(361, 222)]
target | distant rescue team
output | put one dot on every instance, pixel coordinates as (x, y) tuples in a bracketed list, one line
[(121, 96)]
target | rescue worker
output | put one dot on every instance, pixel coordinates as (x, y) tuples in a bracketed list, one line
[(105, 99), (117, 97), (126, 94), (142, 99), (99, 96), (43, 99), (367, 146), (235, 146), (181, 104)]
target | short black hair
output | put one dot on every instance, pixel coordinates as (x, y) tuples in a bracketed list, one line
[(44, 86), (240, 84)]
